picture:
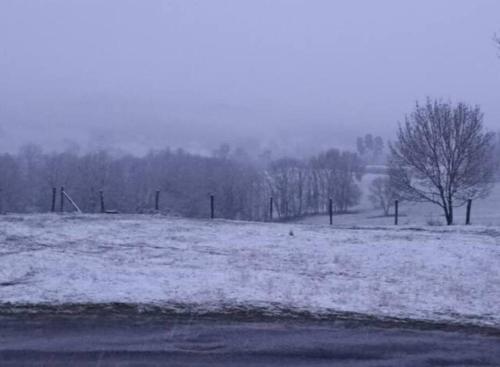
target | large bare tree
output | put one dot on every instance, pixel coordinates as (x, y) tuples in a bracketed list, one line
[(443, 155)]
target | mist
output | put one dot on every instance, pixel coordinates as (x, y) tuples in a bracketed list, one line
[(291, 76)]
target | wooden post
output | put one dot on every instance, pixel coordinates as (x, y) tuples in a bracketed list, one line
[(61, 208), (396, 212), (271, 209), (101, 197), (157, 200), (54, 196), (330, 210), (469, 206), (212, 206)]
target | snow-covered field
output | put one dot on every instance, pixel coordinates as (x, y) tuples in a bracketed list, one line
[(427, 273), (484, 211)]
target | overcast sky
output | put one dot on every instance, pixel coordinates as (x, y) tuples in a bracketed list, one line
[(300, 74)]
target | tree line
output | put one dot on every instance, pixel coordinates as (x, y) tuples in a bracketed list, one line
[(242, 186)]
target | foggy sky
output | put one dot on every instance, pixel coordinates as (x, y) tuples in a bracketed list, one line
[(299, 75)]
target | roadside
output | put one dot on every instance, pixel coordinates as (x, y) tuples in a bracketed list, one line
[(101, 339), (185, 313)]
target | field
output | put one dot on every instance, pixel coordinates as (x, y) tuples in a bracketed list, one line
[(484, 212), (413, 272)]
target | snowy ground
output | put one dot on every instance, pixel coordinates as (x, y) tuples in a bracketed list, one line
[(427, 273), (484, 211)]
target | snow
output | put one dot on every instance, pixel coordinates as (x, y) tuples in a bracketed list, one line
[(484, 211), (425, 273)]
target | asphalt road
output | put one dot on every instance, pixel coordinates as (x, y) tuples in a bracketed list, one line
[(166, 341)]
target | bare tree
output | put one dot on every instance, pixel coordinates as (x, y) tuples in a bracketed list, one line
[(286, 177), (442, 155), (382, 194), (338, 172)]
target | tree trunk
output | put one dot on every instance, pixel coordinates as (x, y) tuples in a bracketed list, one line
[(449, 215)]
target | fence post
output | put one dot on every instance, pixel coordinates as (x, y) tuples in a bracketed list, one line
[(101, 197), (53, 204), (212, 206), (157, 200), (396, 212), (271, 209), (469, 206), (330, 210), (61, 208)]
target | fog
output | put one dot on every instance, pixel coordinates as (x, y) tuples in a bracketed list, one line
[(286, 75)]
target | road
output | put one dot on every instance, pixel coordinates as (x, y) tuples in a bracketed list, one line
[(167, 341)]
